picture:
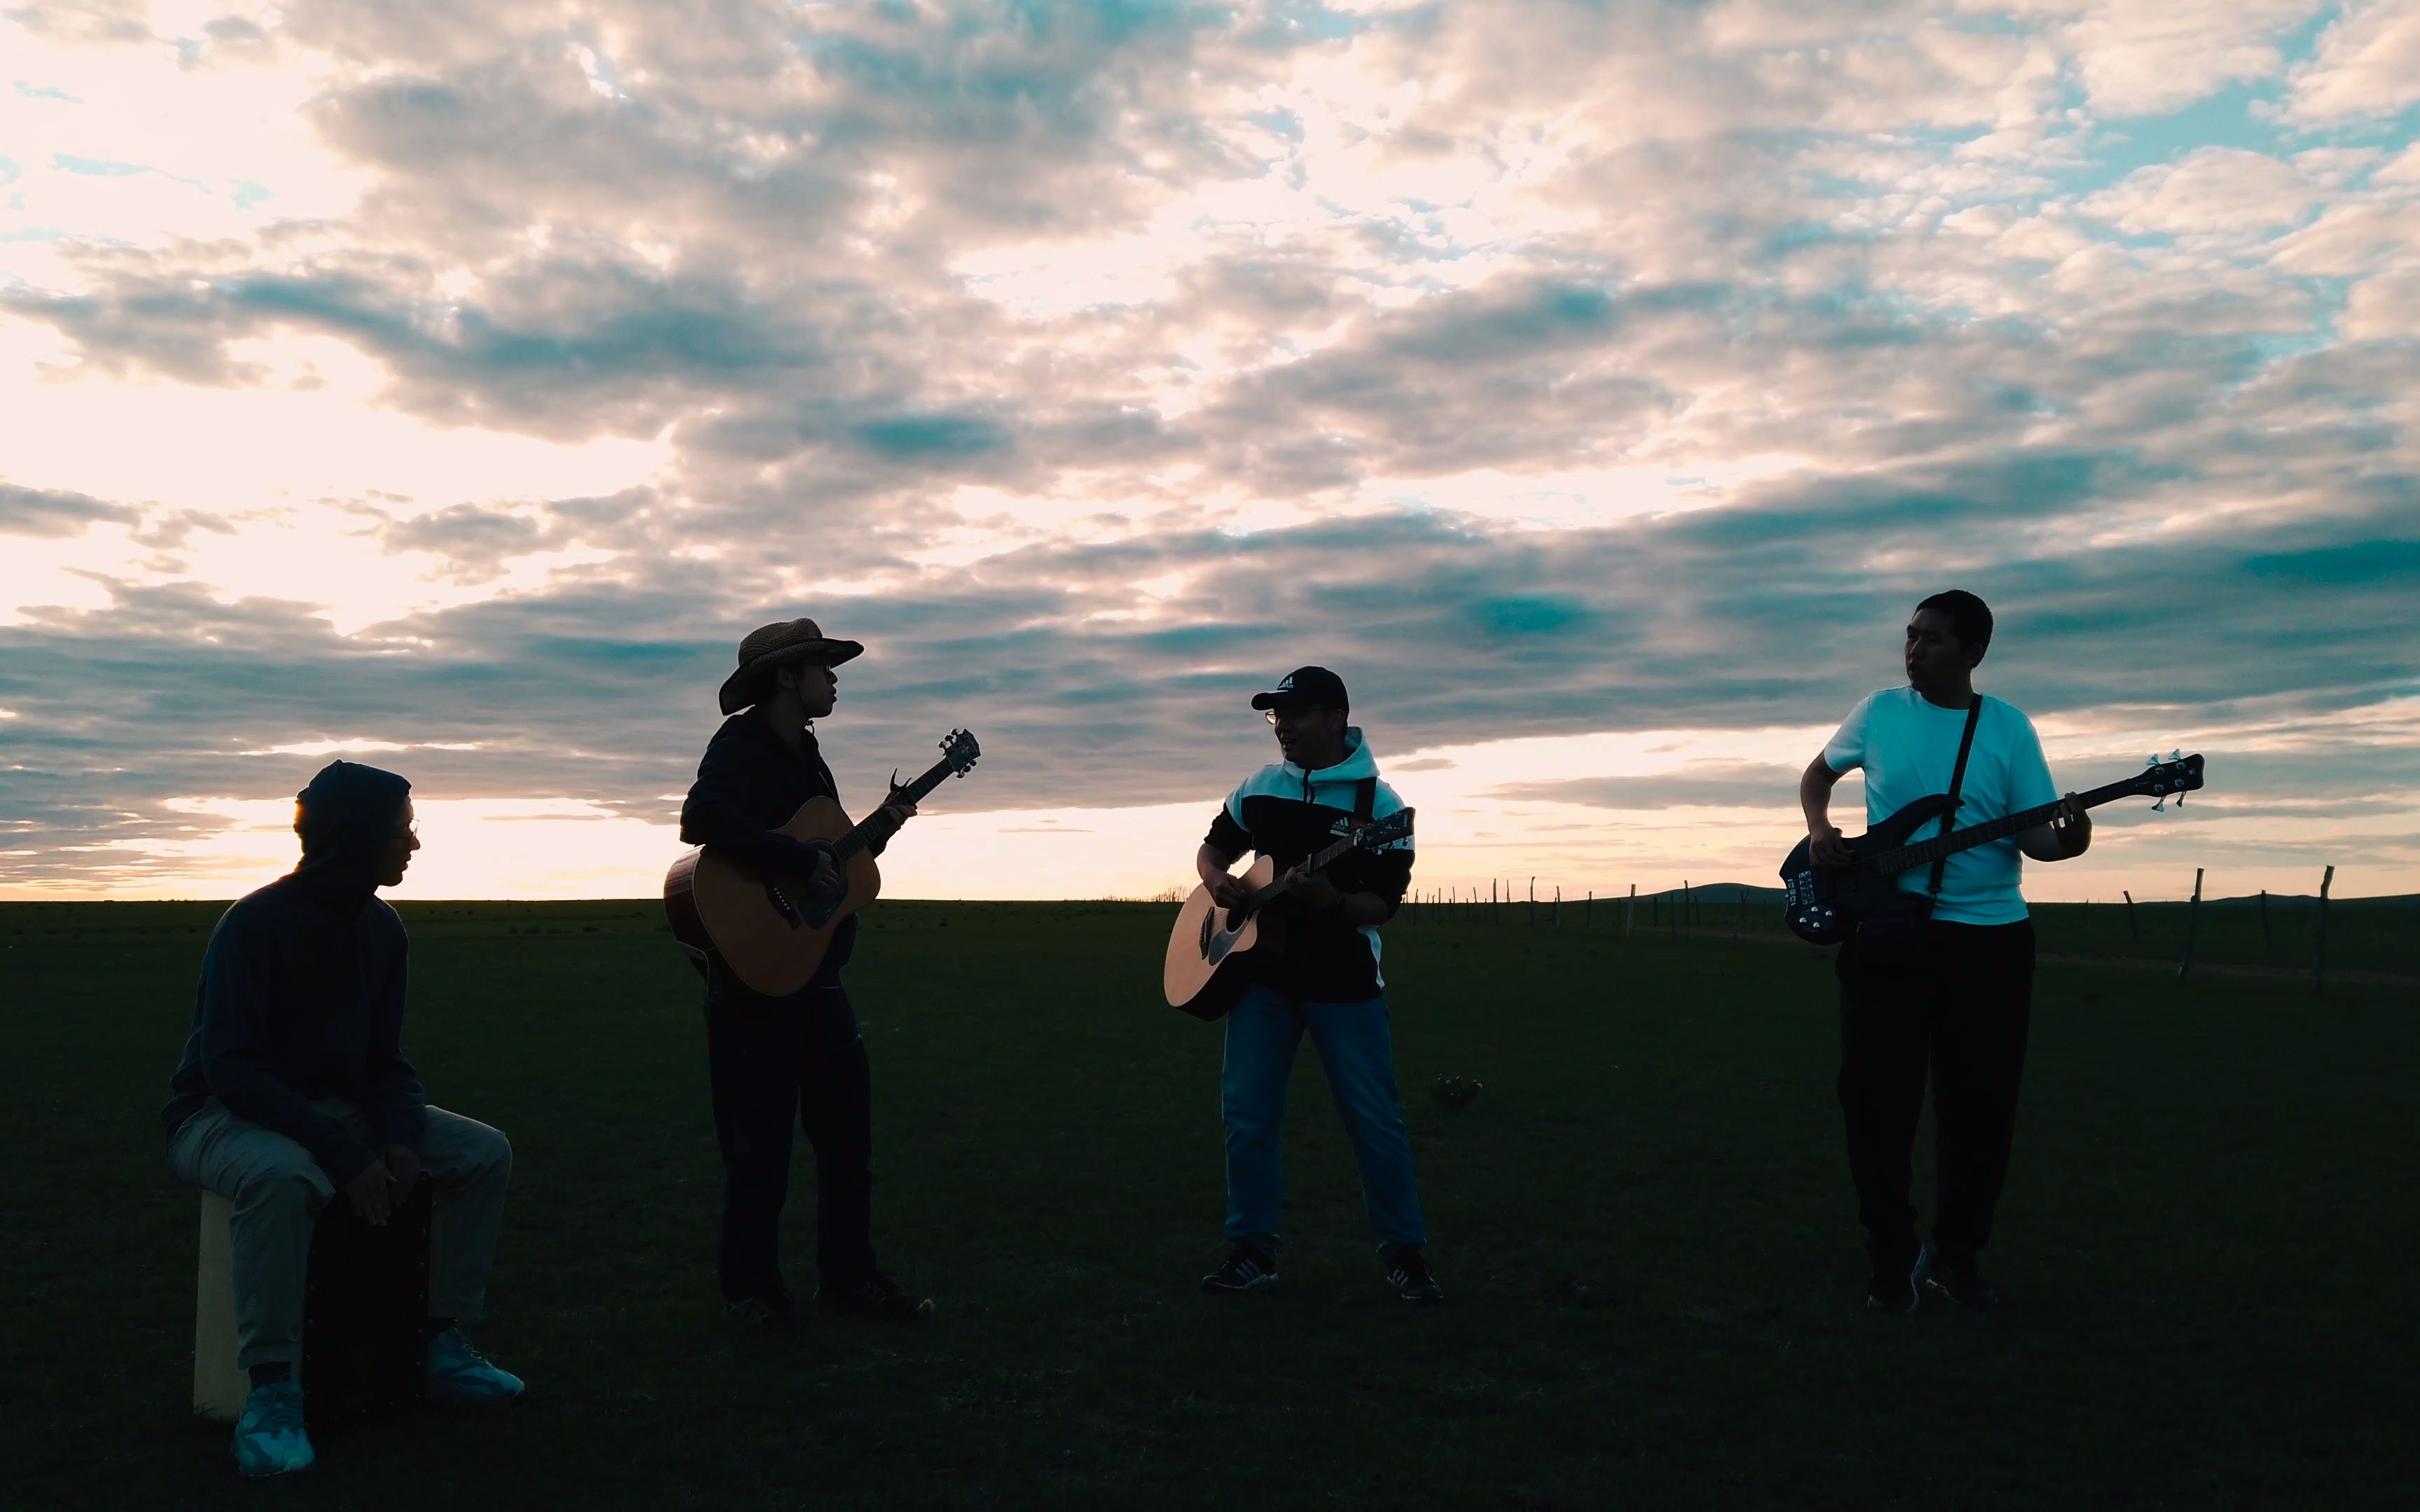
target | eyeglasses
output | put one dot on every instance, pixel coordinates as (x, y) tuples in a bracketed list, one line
[(1273, 715)]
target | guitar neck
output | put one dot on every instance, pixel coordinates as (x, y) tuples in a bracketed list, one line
[(1321, 860), (1926, 852), (878, 827)]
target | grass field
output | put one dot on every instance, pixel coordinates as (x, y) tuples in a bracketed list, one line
[(2206, 1243)]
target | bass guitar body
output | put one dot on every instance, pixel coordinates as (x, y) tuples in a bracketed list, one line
[(763, 927), (1209, 952), (1823, 904)]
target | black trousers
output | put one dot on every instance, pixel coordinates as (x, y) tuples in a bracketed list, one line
[(1958, 1010), (773, 1062)]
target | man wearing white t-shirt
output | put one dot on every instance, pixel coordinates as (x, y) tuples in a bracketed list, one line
[(1956, 1000)]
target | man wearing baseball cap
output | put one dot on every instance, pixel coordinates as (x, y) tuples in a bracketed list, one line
[(1325, 981), (776, 1061)]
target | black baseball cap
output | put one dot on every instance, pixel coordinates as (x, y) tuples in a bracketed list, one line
[(1305, 688)]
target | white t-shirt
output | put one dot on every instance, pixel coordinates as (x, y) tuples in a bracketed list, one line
[(1908, 749)]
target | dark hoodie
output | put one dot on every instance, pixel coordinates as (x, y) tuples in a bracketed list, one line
[(302, 991)]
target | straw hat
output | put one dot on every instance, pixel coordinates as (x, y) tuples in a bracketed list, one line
[(772, 645)]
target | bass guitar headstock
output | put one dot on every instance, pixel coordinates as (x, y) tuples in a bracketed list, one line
[(2170, 778)]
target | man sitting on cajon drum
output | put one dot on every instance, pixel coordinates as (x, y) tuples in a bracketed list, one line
[(294, 1087)]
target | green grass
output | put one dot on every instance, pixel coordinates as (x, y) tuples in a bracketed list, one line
[(2206, 1243)]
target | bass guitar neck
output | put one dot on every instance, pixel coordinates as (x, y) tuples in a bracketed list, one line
[(1823, 904)]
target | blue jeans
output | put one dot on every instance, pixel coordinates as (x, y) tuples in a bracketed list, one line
[(1358, 1053)]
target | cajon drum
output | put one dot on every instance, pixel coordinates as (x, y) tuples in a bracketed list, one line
[(365, 1334)]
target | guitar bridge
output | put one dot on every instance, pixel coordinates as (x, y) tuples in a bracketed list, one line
[(781, 905)]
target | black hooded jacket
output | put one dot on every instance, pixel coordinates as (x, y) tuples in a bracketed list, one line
[(302, 987)]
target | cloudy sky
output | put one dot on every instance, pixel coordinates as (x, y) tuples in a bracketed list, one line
[(1595, 386)]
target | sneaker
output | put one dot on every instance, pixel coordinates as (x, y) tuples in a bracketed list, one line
[(269, 1437), (459, 1373), (881, 1299), (1244, 1269), (1893, 1285), (1408, 1271), (1958, 1283), (759, 1312)]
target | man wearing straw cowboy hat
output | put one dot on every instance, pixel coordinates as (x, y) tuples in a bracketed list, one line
[(775, 1060)]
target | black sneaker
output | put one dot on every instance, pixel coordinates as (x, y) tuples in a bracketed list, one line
[(1408, 1271), (1892, 1288), (1244, 1269), (1958, 1283), (880, 1299), (758, 1312)]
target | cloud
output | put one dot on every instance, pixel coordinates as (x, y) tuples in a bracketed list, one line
[(2140, 60), (2367, 63), (2385, 308), (37, 512), (1549, 372), (1724, 785), (2214, 189)]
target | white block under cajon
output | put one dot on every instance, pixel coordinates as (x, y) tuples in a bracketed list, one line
[(218, 1386)]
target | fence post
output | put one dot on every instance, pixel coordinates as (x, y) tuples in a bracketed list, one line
[(2193, 921), (1630, 911), (2319, 947), (1558, 905), (2264, 919), (1687, 918), (1533, 903), (2132, 932), (1588, 909)]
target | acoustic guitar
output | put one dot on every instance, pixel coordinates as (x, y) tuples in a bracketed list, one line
[(769, 932), (1822, 905), (1207, 966)]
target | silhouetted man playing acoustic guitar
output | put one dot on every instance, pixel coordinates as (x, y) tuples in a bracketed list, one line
[(775, 1060), (1325, 980), (1946, 989)]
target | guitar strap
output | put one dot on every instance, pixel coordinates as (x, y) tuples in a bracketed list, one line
[(1956, 780), (1365, 799)]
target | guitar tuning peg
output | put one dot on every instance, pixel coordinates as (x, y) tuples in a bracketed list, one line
[(2161, 806), (2177, 754)]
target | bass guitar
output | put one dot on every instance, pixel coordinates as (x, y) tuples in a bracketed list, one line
[(1206, 968), (1822, 905), (768, 930)]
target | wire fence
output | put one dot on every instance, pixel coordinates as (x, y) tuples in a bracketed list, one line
[(2276, 932)]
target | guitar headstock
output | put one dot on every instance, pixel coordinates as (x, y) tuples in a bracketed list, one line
[(2173, 777), (1379, 834), (960, 750)]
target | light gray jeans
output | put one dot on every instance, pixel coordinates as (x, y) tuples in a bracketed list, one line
[(278, 1190)]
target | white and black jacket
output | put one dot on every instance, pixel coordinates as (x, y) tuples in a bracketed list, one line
[(1285, 814)]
